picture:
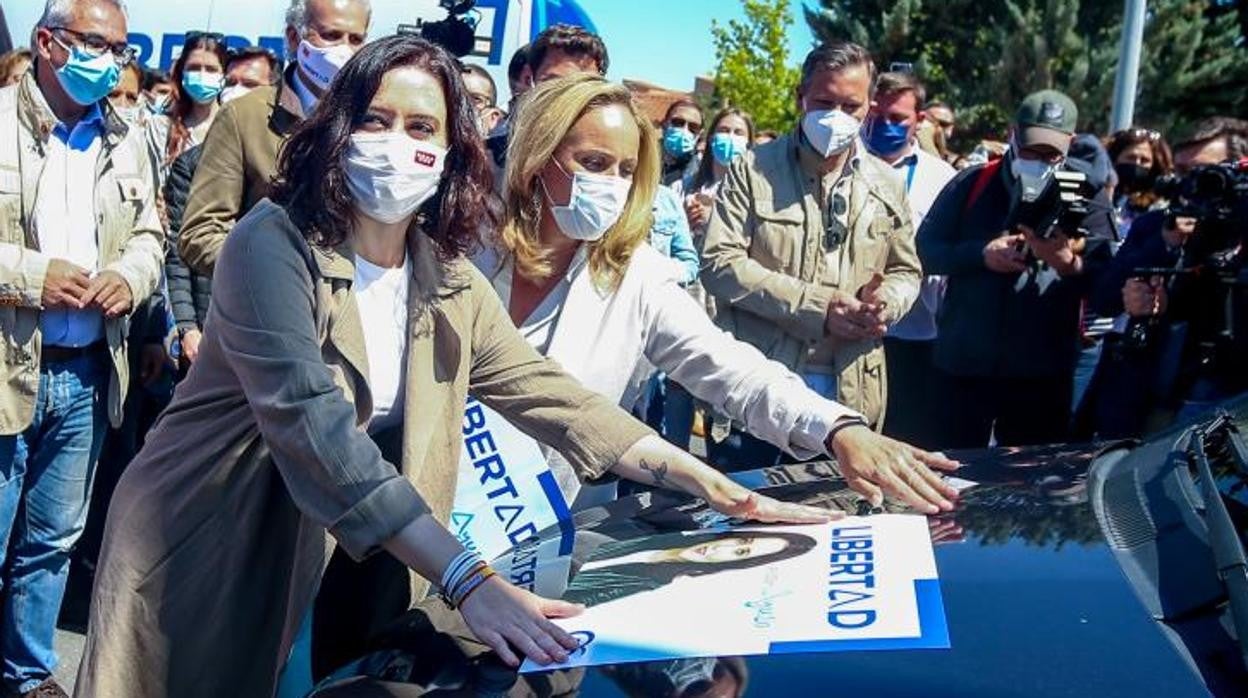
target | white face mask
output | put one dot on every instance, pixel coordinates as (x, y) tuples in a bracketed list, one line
[(391, 174), (596, 203), (322, 64), (1033, 175), (830, 131), (233, 92), (130, 115)]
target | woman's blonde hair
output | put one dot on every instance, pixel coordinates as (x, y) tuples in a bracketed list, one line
[(549, 111)]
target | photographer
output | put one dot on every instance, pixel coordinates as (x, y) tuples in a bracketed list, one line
[(1008, 329), (1151, 361)]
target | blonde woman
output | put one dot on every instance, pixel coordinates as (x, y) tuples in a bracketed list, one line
[(573, 270)]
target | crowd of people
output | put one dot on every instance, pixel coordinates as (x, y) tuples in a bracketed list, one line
[(327, 254)]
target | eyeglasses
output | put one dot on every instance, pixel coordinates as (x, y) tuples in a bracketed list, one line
[(196, 35), (95, 45), (695, 127)]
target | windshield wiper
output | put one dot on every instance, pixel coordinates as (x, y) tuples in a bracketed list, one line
[(1228, 550)]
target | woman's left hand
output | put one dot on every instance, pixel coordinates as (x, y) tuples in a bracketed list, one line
[(727, 497)]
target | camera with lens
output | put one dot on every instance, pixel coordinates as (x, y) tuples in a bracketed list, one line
[(457, 33), (1062, 205), (1211, 274), (1217, 197)]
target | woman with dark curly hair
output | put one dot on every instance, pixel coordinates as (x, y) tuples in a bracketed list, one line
[(345, 332)]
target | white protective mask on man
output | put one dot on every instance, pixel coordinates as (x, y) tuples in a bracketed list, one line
[(596, 203), (323, 64), (1032, 175), (830, 131), (391, 174), (233, 92)]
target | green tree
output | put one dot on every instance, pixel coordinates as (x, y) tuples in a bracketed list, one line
[(753, 70), (983, 56)]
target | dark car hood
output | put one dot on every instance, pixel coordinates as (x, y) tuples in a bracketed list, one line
[(1035, 600)]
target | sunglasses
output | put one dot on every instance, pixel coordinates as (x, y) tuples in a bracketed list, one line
[(695, 127), (196, 35), (1141, 134), (834, 231)]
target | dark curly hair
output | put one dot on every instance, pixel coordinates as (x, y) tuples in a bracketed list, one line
[(310, 180)]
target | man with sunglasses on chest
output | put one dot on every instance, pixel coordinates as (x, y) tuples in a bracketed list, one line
[(80, 243), (239, 156), (810, 249)]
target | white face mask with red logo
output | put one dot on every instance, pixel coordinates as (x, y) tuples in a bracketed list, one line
[(391, 174)]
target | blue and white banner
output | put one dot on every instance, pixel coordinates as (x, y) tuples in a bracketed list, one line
[(157, 28), (506, 493), (862, 583)]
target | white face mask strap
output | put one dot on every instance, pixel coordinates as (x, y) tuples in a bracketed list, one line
[(546, 190)]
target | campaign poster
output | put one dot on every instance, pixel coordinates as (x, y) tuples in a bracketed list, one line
[(861, 583), (505, 493)]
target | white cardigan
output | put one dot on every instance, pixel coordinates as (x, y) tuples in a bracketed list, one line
[(613, 341)]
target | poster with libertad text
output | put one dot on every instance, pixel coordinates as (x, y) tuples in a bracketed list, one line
[(861, 583)]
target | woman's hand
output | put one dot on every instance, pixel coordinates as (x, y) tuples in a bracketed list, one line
[(875, 465), (504, 616)]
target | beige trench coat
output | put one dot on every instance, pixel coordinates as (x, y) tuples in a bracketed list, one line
[(216, 538)]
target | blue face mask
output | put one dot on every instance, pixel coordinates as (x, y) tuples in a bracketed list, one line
[(202, 86), (87, 79), (885, 137), (726, 146), (678, 142)]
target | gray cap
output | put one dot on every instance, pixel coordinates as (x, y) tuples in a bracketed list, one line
[(1047, 117)]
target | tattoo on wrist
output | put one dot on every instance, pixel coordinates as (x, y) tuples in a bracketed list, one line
[(657, 471)]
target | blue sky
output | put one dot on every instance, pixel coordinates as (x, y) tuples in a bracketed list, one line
[(668, 42)]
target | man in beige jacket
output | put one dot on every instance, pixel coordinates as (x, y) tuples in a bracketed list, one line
[(80, 242), (810, 248)]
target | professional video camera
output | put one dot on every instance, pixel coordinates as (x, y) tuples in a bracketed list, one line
[(1212, 274), (457, 33), (1062, 205)]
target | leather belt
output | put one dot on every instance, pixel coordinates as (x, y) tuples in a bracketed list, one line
[(53, 354)]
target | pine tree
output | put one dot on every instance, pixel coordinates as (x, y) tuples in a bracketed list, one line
[(984, 56), (753, 71)]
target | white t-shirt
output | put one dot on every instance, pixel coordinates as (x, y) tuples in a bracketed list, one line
[(381, 294)]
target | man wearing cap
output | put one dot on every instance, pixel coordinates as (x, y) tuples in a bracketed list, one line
[(1009, 326)]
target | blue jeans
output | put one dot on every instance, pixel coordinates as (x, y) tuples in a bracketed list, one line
[(45, 484)]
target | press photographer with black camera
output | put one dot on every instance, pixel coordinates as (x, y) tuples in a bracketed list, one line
[(1020, 240), (1175, 283)]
